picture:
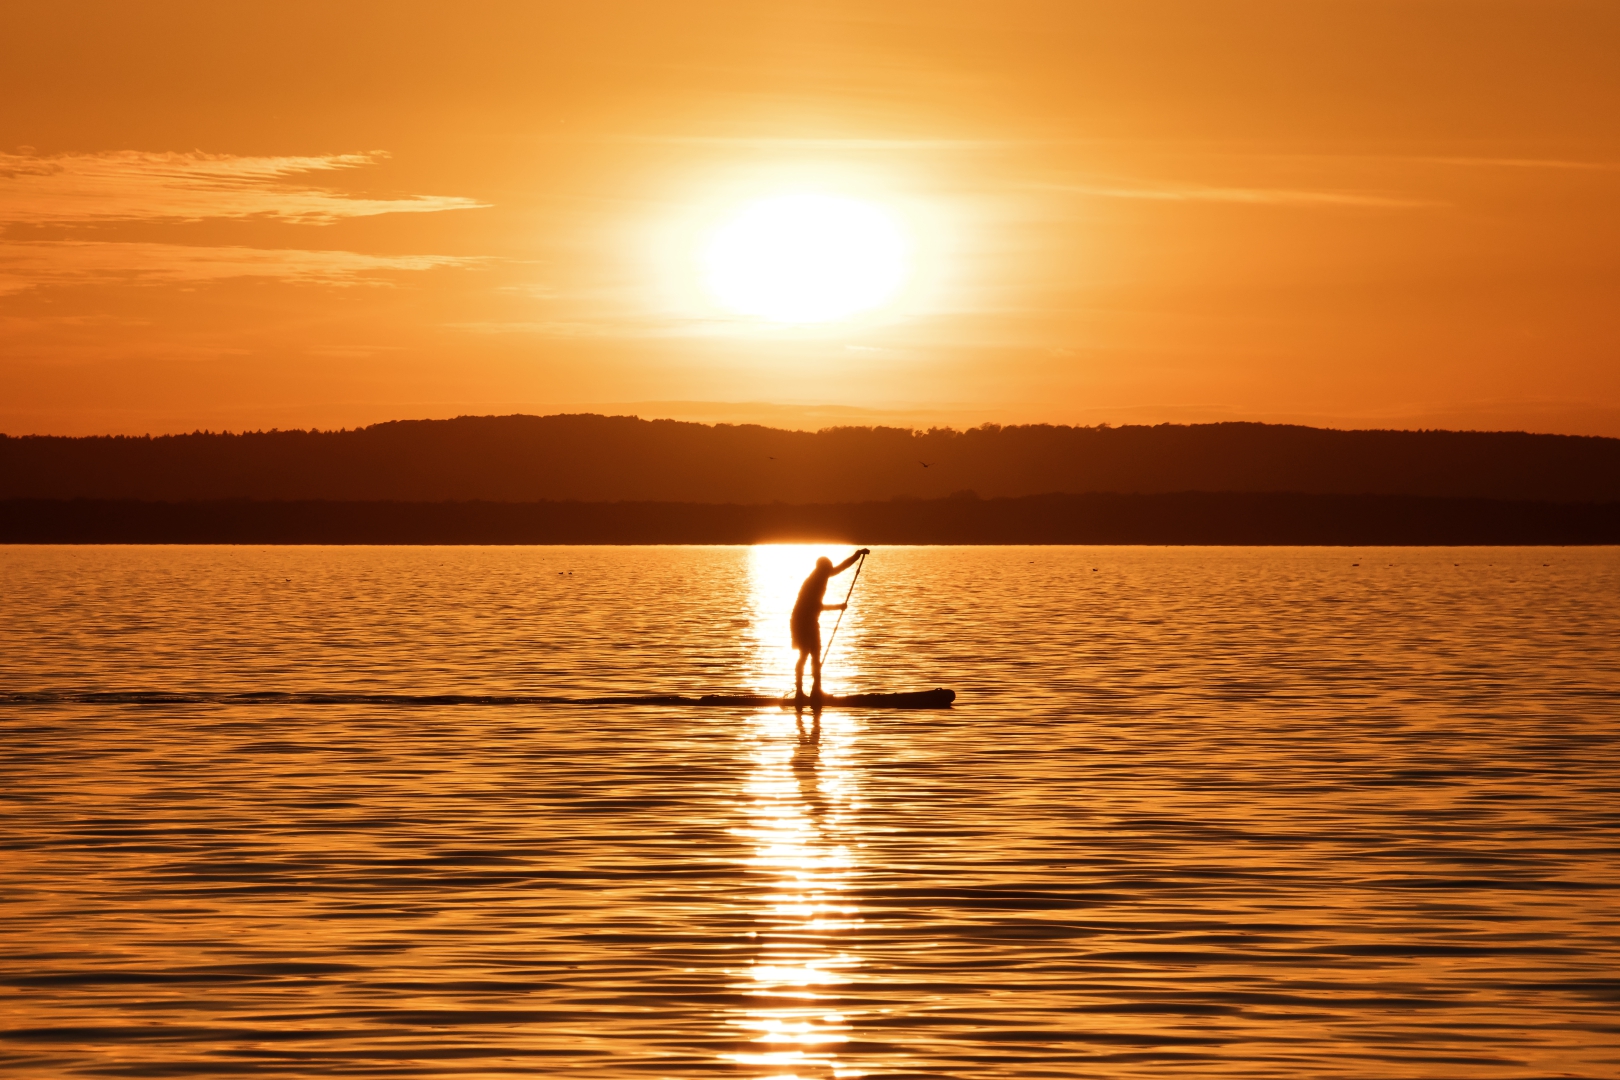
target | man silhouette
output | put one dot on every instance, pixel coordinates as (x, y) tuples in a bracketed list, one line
[(807, 619)]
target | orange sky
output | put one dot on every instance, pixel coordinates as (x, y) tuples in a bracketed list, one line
[(1348, 213)]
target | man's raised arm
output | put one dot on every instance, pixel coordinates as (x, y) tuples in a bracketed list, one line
[(849, 562)]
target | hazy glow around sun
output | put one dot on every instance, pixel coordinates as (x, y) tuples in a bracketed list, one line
[(806, 258)]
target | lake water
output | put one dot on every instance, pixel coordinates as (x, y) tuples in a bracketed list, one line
[(1203, 812)]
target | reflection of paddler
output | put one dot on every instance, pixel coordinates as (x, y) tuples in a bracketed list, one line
[(807, 764), (807, 618)]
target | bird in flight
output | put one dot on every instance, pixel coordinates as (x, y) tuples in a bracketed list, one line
[(925, 464)]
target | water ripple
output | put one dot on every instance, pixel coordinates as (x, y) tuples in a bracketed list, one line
[(1206, 812)]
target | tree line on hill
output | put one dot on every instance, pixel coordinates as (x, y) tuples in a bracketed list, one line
[(618, 458)]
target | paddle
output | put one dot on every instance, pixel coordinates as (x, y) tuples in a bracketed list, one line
[(832, 637)]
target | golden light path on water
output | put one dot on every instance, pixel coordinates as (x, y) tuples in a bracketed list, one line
[(802, 806), (801, 810)]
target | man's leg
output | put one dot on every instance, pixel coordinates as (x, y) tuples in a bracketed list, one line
[(798, 675), (815, 670)]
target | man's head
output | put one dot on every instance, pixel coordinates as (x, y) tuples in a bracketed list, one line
[(824, 563)]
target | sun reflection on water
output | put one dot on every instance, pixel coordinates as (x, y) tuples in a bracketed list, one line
[(801, 805)]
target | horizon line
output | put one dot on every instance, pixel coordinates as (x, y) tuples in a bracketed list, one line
[(915, 430)]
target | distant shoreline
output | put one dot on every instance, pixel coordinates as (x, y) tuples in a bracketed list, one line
[(605, 459), (1186, 518)]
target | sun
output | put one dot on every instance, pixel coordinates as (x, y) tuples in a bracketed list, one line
[(806, 258)]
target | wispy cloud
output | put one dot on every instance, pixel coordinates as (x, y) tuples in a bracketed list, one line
[(623, 327), (133, 185), (783, 142), (1525, 163), (74, 262), (1242, 195)]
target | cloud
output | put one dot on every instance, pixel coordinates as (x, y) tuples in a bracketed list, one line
[(782, 142), (1525, 163), (133, 185), (568, 328), (74, 262), (1247, 196)]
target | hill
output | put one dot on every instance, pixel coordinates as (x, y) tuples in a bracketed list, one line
[(615, 458)]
